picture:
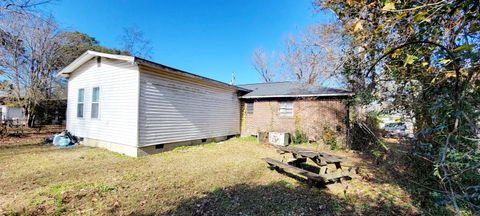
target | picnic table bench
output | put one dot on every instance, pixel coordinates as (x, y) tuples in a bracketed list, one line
[(330, 168)]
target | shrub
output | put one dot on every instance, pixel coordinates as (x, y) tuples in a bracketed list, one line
[(365, 134), (329, 138), (299, 137)]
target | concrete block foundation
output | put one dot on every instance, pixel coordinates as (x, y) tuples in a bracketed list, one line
[(134, 151)]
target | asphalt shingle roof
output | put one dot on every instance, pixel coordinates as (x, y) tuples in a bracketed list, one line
[(290, 89)]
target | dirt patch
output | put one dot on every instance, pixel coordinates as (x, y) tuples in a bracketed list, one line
[(30, 135)]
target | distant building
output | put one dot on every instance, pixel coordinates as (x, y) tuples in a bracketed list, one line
[(12, 113), (8, 112), (291, 106)]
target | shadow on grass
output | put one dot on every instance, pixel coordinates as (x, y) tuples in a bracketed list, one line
[(304, 181), (278, 198), (407, 172)]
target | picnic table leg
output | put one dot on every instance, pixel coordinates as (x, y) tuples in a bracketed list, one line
[(338, 166), (323, 170), (297, 162)]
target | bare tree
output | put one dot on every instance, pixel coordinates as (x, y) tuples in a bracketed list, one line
[(301, 62), (134, 42), (313, 56), (20, 6), (262, 64), (28, 59)]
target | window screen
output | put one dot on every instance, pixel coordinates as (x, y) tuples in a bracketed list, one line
[(286, 109), (80, 102), (95, 102), (249, 108)]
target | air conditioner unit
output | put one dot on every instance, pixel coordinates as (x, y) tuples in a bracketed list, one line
[(277, 138)]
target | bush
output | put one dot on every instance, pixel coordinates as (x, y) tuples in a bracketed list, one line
[(299, 137), (329, 138), (50, 111), (365, 134)]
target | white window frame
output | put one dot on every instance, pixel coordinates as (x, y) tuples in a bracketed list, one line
[(95, 102), (285, 108), (247, 110), (82, 103)]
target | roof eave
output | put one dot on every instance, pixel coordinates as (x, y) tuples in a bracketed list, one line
[(185, 73), (86, 56), (298, 96)]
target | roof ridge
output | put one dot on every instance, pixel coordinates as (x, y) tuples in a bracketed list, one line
[(267, 83), (334, 88), (89, 54), (293, 89)]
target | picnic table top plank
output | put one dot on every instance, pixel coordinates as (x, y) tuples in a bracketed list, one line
[(310, 153)]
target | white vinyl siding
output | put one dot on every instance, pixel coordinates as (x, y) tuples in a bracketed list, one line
[(175, 110), (286, 109), (95, 102), (118, 109)]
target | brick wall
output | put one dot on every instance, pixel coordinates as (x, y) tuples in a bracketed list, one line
[(309, 115)]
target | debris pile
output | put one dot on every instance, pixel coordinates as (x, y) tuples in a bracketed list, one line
[(63, 140)]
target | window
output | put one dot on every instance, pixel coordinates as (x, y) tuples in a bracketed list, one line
[(249, 108), (286, 109), (80, 100), (95, 102)]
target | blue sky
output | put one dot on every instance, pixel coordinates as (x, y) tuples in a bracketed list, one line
[(210, 38)]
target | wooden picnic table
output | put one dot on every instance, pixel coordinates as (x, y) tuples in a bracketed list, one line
[(330, 168)]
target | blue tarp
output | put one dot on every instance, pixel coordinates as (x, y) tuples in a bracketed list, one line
[(62, 141)]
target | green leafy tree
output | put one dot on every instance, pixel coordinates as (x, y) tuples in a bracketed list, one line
[(422, 57), (75, 43)]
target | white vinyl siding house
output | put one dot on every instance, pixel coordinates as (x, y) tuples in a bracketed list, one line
[(138, 107), (118, 81), (177, 110)]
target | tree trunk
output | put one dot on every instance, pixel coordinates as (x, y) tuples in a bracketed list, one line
[(30, 114)]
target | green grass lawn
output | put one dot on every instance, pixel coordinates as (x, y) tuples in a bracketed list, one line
[(223, 178)]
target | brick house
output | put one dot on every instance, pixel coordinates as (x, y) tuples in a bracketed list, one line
[(288, 106)]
